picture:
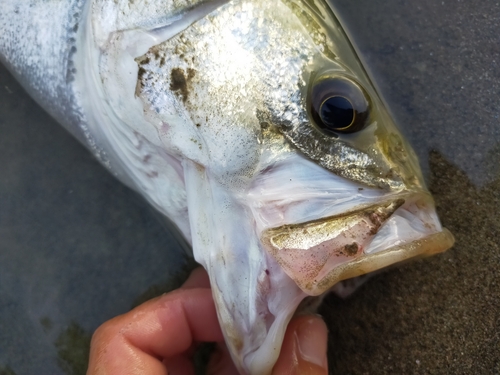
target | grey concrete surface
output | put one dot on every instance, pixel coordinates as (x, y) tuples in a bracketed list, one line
[(76, 247)]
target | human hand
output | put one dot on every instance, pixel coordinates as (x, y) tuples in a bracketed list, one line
[(158, 338)]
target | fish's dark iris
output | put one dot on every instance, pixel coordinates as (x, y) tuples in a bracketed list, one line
[(339, 105), (337, 113)]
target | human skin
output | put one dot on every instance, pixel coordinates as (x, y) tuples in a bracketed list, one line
[(159, 338)]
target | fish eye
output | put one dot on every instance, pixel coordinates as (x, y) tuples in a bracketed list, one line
[(339, 105)]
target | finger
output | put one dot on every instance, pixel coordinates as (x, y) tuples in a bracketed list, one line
[(161, 328), (304, 348), (197, 279), (221, 363)]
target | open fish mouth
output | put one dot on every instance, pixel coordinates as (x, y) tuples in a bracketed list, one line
[(318, 254)]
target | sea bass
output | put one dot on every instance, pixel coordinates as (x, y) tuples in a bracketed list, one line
[(252, 125)]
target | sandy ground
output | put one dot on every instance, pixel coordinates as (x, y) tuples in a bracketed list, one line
[(63, 217)]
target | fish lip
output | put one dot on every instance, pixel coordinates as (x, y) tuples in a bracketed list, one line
[(432, 244), (364, 262)]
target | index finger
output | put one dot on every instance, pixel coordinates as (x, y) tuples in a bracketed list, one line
[(138, 341)]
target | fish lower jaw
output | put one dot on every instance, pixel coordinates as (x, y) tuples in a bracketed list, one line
[(433, 244), (319, 254)]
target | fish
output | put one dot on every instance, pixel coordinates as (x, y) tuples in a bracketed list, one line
[(253, 126)]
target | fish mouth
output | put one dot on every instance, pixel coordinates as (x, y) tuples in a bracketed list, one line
[(318, 254)]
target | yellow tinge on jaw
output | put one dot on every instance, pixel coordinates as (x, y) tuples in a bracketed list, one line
[(307, 235), (320, 253)]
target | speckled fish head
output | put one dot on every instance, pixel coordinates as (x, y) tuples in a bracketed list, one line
[(292, 175), (280, 64)]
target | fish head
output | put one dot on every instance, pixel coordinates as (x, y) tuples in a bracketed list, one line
[(295, 175)]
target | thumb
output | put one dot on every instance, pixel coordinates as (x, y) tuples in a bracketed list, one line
[(304, 348)]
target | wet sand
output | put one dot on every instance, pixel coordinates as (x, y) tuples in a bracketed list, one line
[(63, 217)]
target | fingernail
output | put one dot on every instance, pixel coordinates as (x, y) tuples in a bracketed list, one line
[(312, 337)]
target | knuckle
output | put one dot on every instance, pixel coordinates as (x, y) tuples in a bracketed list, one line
[(104, 332)]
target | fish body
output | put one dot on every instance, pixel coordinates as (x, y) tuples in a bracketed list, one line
[(250, 124)]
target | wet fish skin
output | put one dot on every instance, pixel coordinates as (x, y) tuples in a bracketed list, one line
[(205, 108)]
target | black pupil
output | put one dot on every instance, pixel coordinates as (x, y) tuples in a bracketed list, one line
[(337, 112)]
